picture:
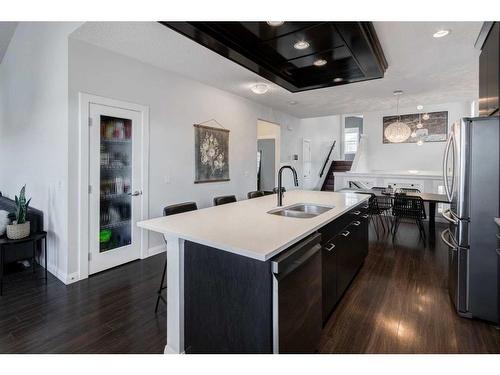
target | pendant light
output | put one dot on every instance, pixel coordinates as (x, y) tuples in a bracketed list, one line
[(397, 131)]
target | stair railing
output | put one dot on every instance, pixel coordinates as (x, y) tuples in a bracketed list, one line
[(327, 159)]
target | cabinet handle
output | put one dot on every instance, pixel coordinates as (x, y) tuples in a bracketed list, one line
[(346, 233), (356, 213), (330, 246), (366, 216), (356, 223)]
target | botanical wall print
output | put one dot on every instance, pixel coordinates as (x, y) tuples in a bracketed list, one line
[(211, 154), (429, 127)]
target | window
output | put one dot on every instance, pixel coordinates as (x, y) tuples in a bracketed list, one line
[(351, 140)]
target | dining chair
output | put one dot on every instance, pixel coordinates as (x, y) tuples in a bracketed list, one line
[(255, 194), (408, 208), (167, 211), (384, 203), (374, 212), (224, 199)]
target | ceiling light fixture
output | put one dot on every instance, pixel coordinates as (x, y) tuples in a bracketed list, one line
[(425, 116), (397, 131), (319, 62), (302, 44), (420, 142), (292, 102), (338, 79), (275, 23), (441, 33), (260, 88), (420, 107)]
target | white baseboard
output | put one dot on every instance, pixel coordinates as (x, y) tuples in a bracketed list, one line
[(155, 250)]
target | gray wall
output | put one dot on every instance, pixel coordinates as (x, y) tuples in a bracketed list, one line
[(267, 148)]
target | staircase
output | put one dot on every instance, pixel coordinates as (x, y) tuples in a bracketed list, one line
[(336, 166)]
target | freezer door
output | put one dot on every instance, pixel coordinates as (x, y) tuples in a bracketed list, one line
[(458, 283)]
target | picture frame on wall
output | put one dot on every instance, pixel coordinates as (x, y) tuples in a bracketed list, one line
[(415, 128), (211, 148)]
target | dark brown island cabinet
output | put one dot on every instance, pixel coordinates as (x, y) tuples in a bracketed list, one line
[(489, 69), (236, 304)]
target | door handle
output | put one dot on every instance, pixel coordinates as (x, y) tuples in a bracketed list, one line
[(449, 217), (449, 244), (445, 167), (135, 193)]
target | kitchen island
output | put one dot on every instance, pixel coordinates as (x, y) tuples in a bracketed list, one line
[(221, 294)]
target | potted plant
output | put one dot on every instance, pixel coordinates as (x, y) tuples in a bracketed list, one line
[(20, 228)]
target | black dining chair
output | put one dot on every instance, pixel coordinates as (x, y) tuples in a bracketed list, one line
[(374, 211), (255, 194), (225, 199), (167, 211), (384, 203), (411, 209)]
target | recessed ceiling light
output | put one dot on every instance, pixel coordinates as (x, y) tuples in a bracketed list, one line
[(275, 23), (425, 116), (302, 44), (420, 142), (338, 79), (441, 33), (420, 107), (319, 62), (292, 102), (260, 88)]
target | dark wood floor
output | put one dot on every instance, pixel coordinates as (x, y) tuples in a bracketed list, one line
[(397, 304)]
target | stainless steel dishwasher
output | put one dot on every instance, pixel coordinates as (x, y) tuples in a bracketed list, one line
[(297, 312)]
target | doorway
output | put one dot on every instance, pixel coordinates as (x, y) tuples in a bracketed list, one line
[(114, 167), (268, 151)]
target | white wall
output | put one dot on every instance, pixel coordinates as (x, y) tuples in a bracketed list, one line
[(406, 156), (175, 103), (321, 131), (34, 127)]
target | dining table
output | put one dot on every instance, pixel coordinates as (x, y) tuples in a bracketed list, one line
[(431, 198)]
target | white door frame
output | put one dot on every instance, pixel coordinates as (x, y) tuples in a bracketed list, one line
[(83, 173)]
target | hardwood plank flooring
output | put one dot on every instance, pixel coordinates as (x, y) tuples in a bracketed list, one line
[(398, 303)]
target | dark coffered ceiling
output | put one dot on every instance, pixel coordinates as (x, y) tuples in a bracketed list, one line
[(351, 50)]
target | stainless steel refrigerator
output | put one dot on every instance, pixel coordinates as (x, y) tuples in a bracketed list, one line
[(471, 179)]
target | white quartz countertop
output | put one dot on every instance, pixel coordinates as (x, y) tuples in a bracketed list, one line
[(245, 228)]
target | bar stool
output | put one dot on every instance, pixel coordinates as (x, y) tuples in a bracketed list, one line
[(167, 211), (255, 194), (224, 200)]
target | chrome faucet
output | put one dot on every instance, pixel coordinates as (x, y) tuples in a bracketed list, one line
[(280, 189)]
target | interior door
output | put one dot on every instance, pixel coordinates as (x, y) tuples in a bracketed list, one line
[(115, 193)]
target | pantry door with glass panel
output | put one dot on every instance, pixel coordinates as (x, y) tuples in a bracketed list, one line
[(115, 191)]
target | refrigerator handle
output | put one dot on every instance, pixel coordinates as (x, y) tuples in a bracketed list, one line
[(443, 238), (445, 167)]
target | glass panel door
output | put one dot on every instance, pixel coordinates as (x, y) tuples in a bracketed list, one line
[(115, 183), (115, 179)]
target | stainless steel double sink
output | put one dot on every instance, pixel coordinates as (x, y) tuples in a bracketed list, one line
[(301, 210)]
